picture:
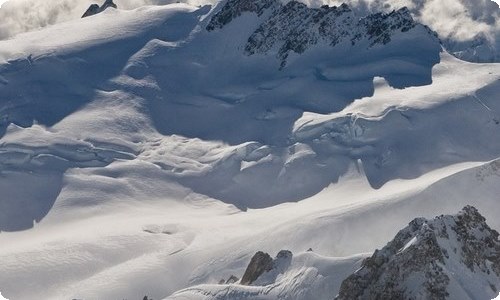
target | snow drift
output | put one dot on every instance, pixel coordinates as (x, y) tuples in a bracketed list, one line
[(147, 154)]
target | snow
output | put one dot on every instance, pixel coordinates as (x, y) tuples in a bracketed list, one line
[(145, 156), (411, 242)]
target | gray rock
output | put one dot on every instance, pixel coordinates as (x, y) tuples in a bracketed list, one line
[(263, 270), (95, 9), (92, 10), (422, 260), (295, 27), (260, 263), (234, 8)]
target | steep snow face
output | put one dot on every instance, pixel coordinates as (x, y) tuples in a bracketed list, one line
[(138, 151), (450, 257), (167, 72)]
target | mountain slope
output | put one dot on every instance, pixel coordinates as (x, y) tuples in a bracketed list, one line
[(148, 154), (450, 257)]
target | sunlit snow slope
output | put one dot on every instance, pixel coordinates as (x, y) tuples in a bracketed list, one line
[(142, 154)]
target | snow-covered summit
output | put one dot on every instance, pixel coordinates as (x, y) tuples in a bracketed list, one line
[(294, 27), (449, 257)]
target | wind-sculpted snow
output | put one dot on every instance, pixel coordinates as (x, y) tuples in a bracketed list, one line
[(153, 77), (147, 154), (37, 158)]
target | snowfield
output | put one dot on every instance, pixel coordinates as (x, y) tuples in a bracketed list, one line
[(141, 154)]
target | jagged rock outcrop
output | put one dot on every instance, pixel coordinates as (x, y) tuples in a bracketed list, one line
[(262, 264), (234, 8), (449, 257), (95, 9), (92, 10), (295, 27)]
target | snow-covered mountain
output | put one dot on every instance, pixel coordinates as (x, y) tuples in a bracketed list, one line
[(448, 257), (469, 29), (294, 27), (147, 151)]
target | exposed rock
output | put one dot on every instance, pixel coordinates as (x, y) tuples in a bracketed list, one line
[(263, 270), (424, 259), (95, 9), (92, 10), (295, 27), (234, 8), (260, 263), (107, 4)]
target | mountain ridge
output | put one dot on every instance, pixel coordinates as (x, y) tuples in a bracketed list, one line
[(295, 27), (147, 155), (449, 257)]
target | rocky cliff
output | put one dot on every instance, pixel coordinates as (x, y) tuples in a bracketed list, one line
[(449, 257)]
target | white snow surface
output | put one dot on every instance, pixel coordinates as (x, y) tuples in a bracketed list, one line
[(141, 155)]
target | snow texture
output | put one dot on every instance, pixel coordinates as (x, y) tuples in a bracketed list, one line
[(142, 154)]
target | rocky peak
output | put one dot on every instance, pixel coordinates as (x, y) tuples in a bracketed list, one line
[(95, 8), (294, 27), (426, 258), (235, 8), (264, 269), (379, 27)]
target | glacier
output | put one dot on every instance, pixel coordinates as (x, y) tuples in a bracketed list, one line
[(142, 154)]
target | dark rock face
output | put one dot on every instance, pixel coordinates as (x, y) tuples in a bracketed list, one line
[(379, 27), (234, 8), (95, 9), (92, 10), (260, 263), (422, 260), (107, 4), (295, 27)]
